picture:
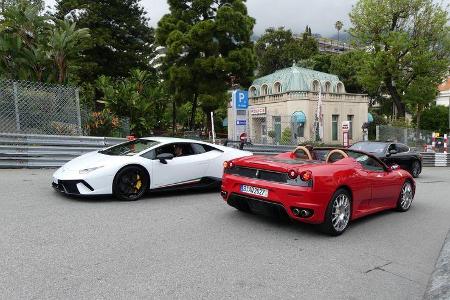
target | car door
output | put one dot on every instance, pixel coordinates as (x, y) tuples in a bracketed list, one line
[(383, 187), (402, 157), (187, 168)]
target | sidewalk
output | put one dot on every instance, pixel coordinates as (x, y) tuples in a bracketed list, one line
[(439, 284)]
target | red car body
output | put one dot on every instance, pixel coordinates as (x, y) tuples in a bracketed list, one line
[(370, 190)]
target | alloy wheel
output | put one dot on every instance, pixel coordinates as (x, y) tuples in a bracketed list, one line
[(406, 196), (340, 212)]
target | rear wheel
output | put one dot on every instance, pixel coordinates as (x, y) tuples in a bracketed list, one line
[(130, 183), (415, 169), (337, 216), (406, 197)]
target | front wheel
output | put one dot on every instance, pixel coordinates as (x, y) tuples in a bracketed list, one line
[(130, 183), (415, 169), (337, 216), (406, 197)]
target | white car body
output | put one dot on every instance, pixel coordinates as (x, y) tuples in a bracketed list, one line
[(178, 171)]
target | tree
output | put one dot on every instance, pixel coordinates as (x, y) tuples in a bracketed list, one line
[(435, 118), (346, 66), (408, 46), (208, 49), (65, 44), (31, 42), (338, 25), (121, 38), (4, 4), (278, 49), (138, 97)]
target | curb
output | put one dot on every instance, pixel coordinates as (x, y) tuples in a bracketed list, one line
[(439, 283)]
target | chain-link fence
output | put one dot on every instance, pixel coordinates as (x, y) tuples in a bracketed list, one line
[(412, 137), (39, 108)]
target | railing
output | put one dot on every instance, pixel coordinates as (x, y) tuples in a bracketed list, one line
[(46, 151)]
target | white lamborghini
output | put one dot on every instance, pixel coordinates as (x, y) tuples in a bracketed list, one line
[(129, 169)]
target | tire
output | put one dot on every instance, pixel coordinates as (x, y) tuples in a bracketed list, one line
[(338, 213), (130, 183), (415, 169), (406, 196)]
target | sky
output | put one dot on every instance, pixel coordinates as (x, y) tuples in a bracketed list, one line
[(320, 15)]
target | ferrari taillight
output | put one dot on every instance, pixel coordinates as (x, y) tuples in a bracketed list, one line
[(306, 175), (292, 174), (228, 164)]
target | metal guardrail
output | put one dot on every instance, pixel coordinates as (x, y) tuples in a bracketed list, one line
[(430, 159), (43, 151), (40, 151)]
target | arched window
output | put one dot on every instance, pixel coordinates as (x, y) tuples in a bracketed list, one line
[(277, 87), (264, 90), (315, 86), (253, 92), (327, 87), (340, 88)]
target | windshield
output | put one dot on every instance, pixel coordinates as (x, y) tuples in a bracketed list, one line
[(369, 147), (130, 148)]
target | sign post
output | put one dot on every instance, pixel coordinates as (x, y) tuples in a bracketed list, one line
[(212, 128), (345, 128), (239, 111)]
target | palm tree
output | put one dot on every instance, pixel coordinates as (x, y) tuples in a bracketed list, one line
[(338, 27), (65, 43)]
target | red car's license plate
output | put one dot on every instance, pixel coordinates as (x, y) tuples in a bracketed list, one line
[(254, 191)]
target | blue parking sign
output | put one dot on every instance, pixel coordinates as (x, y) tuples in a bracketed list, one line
[(241, 99)]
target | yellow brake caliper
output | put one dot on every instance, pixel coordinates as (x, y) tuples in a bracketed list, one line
[(138, 184)]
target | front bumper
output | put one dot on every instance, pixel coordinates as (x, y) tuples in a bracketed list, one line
[(71, 187), (72, 183), (282, 199)]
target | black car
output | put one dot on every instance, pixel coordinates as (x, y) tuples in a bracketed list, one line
[(393, 153)]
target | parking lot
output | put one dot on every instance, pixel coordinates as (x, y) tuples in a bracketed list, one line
[(192, 245)]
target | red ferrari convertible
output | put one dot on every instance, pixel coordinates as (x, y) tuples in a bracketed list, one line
[(326, 186)]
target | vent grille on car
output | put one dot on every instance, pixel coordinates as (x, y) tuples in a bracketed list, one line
[(258, 174)]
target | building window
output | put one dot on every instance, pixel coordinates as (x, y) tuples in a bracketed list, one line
[(315, 86), (340, 88), (276, 134), (301, 130), (253, 92), (264, 90), (350, 128), (327, 87), (277, 87), (334, 127)]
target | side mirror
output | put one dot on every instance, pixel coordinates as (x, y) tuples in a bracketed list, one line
[(164, 157), (394, 167)]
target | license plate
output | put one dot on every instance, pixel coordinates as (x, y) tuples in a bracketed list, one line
[(254, 191)]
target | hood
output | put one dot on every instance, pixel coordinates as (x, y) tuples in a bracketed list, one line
[(273, 163), (90, 160)]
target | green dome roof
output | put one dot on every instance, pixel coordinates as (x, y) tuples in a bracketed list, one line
[(296, 79)]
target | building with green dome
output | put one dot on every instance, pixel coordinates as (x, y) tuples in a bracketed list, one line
[(284, 104)]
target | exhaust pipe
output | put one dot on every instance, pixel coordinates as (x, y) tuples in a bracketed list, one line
[(304, 213), (296, 211)]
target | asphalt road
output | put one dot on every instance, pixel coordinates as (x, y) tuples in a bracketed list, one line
[(192, 245)]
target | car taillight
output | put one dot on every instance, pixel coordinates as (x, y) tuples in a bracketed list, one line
[(228, 164), (292, 174), (306, 175)]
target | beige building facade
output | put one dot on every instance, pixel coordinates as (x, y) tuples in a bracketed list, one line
[(283, 108)]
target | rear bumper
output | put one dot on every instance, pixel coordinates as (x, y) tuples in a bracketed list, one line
[(282, 199)]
